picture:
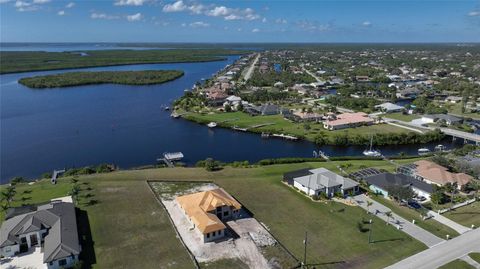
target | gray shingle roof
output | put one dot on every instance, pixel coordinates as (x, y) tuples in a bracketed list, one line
[(386, 180), (62, 239), (321, 178)]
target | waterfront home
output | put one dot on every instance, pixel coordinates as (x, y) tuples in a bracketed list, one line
[(362, 78), (433, 173), (216, 96), (264, 110), (454, 99), (449, 119), (51, 227), (307, 116), (208, 210), (382, 183), (313, 182), (347, 120), (408, 93), (389, 107)]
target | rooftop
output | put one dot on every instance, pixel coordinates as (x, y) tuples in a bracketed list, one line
[(439, 174), (198, 206)]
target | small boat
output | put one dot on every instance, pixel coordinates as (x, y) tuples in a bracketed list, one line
[(166, 108), (212, 125), (423, 151), (440, 147), (371, 152), (265, 135), (175, 115)]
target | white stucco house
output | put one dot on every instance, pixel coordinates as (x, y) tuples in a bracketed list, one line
[(321, 180)]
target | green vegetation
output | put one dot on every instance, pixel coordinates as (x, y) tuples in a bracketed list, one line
[(400, 116), (475, 256), (116, 77), (288, 78), (126, 231), (457, 264), (382, 134), (24, 61), (430, 225), (466, 215)]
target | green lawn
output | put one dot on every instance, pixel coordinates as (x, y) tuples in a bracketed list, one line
[(457, 264), (475, 256), (466, 215), (457, 110), (430, 225), (400, 116), (131, 230), (281, 125)]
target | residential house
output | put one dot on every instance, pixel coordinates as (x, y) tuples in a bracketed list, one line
[(382, 183), (264, 110), (51, 227), (362, 78), (347, 120), (433, 173), (389, 107), (321, 180), (307, 116), (454, 99), (449, 119), (208, 210)]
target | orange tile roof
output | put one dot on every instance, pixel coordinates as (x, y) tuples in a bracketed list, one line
[(198, 205), (439, 174)]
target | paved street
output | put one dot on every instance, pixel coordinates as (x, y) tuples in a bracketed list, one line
[(442, 253), (413, 230), (450, 223), (251, 68)]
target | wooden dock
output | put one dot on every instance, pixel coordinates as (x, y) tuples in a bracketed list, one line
[(55, 175), (169, 158)]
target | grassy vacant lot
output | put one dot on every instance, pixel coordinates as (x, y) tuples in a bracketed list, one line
[(457, 110), (400, 116), (430, 225), (23, 61), (466, 215), (457, 264), (281, 125), (131, 230), (116, 77), (475, 256)]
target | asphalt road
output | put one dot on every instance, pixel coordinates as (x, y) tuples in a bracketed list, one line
[(442, 253), (251, 68)]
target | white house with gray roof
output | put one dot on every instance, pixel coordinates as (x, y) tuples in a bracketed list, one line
[(52, 226), (319, 180)]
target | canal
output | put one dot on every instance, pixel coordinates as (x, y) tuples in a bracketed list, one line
[(42, 130)]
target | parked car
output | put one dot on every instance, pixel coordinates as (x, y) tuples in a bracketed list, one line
[(414, 205)]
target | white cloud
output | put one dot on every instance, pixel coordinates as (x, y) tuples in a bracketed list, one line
[(198, 24), (281, 21), (366, 24), (135, 17), (212, 11), (61, 13), (40, 1), (184, 24), (25, 6), (474, 13), (313, 26), (175, 7), (4, 1), (129, 2), (103, 16), (70, 5), (264, 20), (256, 30)]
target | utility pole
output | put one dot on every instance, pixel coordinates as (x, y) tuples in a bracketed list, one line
[(304, 264), (370, 232)]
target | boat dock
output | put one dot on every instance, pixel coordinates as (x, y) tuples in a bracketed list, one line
[(244, 129), (169, 158), (55, 175), (289, 137)]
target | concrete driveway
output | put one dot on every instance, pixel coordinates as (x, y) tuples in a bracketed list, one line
[(33, 259), (413, 230)]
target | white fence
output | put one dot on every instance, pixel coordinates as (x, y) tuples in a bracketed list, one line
[(457, 206)]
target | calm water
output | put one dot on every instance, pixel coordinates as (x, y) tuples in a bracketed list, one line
[(42, 130), (59, 47)]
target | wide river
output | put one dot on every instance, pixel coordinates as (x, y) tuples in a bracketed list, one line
[(42, 130)]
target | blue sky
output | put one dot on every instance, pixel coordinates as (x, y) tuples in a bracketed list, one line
[(240, 21)]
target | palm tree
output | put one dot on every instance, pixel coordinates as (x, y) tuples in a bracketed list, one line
[(368, 206), (389, 215)]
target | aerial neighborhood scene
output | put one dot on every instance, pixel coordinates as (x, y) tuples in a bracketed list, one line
[(239, 134)]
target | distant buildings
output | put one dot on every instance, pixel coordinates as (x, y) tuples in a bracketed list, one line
[(208, 210), (389, 107), (348, 120)]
